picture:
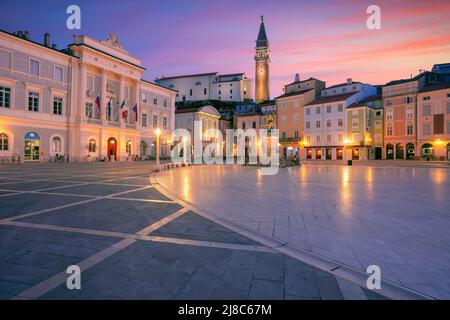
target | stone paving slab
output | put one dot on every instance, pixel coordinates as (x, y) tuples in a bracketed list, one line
[(144, 269), (148, 194), (141, 272), (107, 215), (195, 227), (34, 185), (17, 204), (29, 256)]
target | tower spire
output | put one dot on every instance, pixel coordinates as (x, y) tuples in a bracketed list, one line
[(262, 36)]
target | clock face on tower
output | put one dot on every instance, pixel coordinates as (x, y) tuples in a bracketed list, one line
[(261, 71)]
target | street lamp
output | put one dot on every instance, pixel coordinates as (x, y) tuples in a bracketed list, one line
[(346, 143), (158, 133)]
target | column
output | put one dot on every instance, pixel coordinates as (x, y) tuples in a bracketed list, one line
[(80, 111), (103, 102), (121, 96), (136, 101)]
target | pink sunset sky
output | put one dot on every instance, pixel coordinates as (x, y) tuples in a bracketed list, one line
[(328, 40)]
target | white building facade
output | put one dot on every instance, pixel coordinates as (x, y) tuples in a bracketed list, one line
[(325, 120), (209, 86), (85, 103)]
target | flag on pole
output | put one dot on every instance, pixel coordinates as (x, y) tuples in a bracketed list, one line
[(109, 105), (122, 104), (124, 114), (97, 102), (135, 109)]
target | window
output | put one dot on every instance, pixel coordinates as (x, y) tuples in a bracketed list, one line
[(190, 92), (426, 110), (340, 122), (155, 121), (409, 113), (426, 129), (344, 89), (231, 91), (340, 107), (128, 147), (308, 125), (378, 113), (92, 146), (283, 119), (5, 97), (296, 117), (296, 134), (308, 111), (355, 123), (329, 123), (144, 97), (377, 124), (318, 124), (377, 138), (204, 91), (254, 124), (243, 125), (448, 127), (57, 105), (165, 102), (408, 100), (56, 144), (448, 107), (389, 102), (283, 135), (58, 74), (318, 110), (340, 137), (328, 137), (164, 123), (328, 109), (426, 98), (389, 130), (318, 138), (144, 120), (155, 100), (308, 139), (409, 129), (4, 142), (33, 101), (90, 83), (89, 110), (34, 67)]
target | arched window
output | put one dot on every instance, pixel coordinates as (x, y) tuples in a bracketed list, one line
[(56, 144), (128, 147), (4, 145), (92, 145)]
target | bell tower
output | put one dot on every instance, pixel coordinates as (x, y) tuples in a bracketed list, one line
[(262, 65)]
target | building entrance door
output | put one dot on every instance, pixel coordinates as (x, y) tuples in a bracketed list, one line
[(112, 149), (31, 147)]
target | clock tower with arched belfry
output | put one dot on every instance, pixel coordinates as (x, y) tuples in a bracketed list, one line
[(262, 65)]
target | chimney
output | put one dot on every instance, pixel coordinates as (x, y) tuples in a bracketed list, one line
[(47, 39), (26, 35), (54, 46), (349, 81), (297, 77)]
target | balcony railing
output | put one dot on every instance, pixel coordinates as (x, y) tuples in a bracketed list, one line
[(94, 121), (113, 124), (130, 126)]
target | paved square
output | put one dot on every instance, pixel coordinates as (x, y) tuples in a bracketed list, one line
[(132, 242)]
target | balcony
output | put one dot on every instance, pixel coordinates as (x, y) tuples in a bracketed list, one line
[(113, 124), (94, 121), (130, 126)]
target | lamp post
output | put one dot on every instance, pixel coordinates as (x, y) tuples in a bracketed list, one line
[(158, 133), (346, 143)]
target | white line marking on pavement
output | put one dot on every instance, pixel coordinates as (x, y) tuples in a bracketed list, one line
[(42, 288), (26, 215)]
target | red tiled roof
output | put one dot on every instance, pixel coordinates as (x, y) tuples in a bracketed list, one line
[(339, 97)]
